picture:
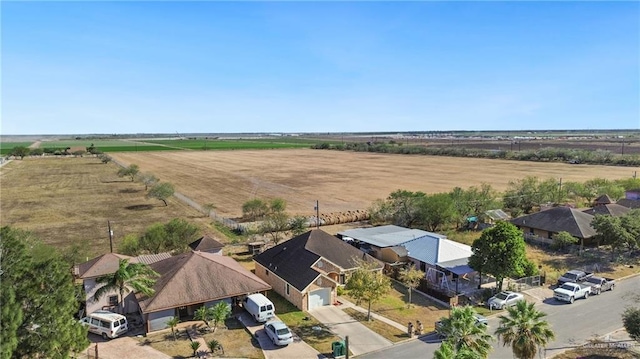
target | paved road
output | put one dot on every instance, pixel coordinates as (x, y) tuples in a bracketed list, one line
[(573, 324)]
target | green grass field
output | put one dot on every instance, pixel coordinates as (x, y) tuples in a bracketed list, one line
[(217, 144), (6, 147)]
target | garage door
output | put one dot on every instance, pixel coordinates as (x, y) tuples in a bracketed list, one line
[(319, 298)]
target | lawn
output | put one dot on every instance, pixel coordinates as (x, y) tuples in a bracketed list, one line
[(388, 331), (394, 306), (310, 330), (235, 339)]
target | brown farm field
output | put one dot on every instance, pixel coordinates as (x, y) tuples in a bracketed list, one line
[(340, 181), (69, 200)]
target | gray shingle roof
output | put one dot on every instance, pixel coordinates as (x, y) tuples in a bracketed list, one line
[(559, 219), (629, 203), (292, 260), (205, 244), (611, 209), (434, 250), (105, 264), (604, 199)]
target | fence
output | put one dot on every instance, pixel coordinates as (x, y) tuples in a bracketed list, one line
[(525, 283)]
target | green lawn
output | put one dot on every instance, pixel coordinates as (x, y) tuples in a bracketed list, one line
[(390, 332)]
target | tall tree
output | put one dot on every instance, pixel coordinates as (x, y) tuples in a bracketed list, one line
[(161, 191), (149, 180), (525, 330), (137, 276), (404, 206), (254, 209), (276, 222), (631, 322), (411, 278), (20, 151), (434, 211), (368, 283), (500, 252), (522, 196), (131, 171), (463, 332), (38, 302)]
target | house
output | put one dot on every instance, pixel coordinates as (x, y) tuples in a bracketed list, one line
[(611, 209), (190, 280), (207, 244), (604, 199), (88, 272), (187, 281), (631, 199), (439, 253), (307, 269), (382, 242), (544, 225)]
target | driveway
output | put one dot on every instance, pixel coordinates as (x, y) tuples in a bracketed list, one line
[(361, 339), (296, 350), (122, 348)]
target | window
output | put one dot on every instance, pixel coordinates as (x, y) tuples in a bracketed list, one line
[(287, 288), (113, 300), (342, 279)]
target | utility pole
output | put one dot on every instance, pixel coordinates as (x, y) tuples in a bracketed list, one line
[(110, 236), (317, 214)]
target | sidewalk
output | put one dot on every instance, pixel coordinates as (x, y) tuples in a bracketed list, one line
[(348, 304)]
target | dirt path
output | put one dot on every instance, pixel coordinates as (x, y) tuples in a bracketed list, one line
[(35, 144)]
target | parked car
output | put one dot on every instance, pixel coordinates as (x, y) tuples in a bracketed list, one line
[(107, 324), (278, 332), (504, 299), (574, 276), (599, 284), (569, 292), (260, 307), (480, 320)]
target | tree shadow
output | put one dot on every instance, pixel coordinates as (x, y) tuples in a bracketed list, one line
[(130, 190), (139, 207)]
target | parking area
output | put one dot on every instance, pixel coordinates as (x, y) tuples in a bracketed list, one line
[(297, 349)]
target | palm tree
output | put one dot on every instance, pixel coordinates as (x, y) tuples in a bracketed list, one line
[(465, 334), (172, 323), (214, 346), (195, 345), (446, 351), (525, 330), (219, 313), (129, 275), (203, 313)]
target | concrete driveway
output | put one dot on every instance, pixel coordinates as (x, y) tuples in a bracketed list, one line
[(296, 350), (361, 339), (122, 348)]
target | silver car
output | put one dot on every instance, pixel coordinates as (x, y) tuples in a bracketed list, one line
[(278, 332), (504, 299)]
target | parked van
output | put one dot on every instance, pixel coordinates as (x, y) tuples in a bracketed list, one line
[(106, 324), (260, 307)]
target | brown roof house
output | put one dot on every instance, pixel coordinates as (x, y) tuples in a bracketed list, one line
[(91, 270), (541, 226), (611, 209), (307, 269), (207, 244), (190, 280)]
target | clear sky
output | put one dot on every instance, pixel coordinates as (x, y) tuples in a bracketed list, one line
[(165, 67)]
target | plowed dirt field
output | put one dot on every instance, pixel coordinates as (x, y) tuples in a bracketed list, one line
[(340, 181)]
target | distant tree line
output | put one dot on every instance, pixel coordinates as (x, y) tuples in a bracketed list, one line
[(23, 151), (547, 154)]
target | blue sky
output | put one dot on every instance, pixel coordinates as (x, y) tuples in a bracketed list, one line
[(166, 67)]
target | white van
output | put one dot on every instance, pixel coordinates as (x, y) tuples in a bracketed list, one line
[(106, 324), (260, 307)]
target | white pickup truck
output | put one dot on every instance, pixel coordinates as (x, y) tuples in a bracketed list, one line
[(569, 292)]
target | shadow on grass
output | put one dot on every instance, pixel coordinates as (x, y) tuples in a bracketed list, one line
[(139, 207), (130, 190)]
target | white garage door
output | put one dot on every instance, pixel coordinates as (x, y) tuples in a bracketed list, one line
[(319, 297)]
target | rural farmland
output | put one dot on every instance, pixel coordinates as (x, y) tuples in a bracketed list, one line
[(340, 181)]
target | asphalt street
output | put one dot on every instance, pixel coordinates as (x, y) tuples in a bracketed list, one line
[(574, 324)]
